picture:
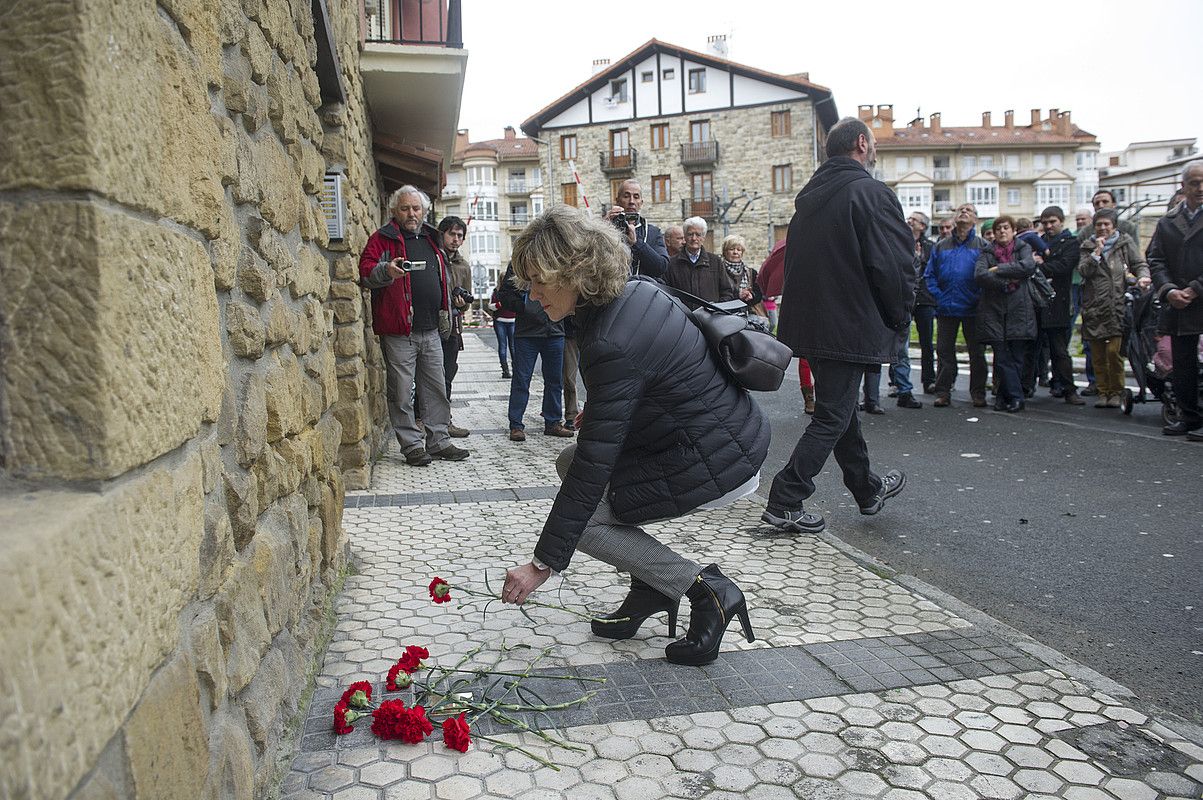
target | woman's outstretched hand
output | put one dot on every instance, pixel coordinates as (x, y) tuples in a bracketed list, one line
[(521, 581)]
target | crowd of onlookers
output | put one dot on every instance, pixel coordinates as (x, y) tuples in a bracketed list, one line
[(1021, 287)]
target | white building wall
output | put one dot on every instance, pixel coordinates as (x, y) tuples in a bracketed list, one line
[(718, 89), (645, 93), (749, 91)]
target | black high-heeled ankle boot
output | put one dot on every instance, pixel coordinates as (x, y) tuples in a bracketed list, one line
[(714, 600), (640, 603)]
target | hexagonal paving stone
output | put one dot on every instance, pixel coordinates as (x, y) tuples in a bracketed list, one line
[(977, 720), (617, 748), (356, 793), (945, 790), (1128, 789), (1079, 772), (983, 740), (731, 778), (649, 765), (510, 783), (695, 760), (432, 767), (459, 787), (906, 777), (382, 773), (995, 787), (820, 765), (864, 717), (331, 778), (743, 755), (989, 764), (904, 752), (947, 769), (1037, 780), (743, 732), (776, 771)]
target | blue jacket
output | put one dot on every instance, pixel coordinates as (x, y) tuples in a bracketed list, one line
[(950, 275)]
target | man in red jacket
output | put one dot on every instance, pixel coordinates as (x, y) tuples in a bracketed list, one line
[(407, 273)]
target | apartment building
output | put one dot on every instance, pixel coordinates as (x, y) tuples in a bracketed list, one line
[(703, 135), (1002, 169), (1144, 177), (497, 185)]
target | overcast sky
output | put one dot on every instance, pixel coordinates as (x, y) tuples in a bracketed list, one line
[(1121, 67)]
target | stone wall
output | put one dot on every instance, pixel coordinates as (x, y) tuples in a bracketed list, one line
[(187, 387), (747, 153)]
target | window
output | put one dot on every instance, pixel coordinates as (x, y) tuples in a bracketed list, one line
[(519, 214), (618, 91), (1055, 160), (915, 197), (780, 121), (902, 165), (702, 185), (486, 210), (568, 148), (536, 176), (1012, 197), (697, 81), (568, 193), (484, 243), (1053, 194), (699, 131), (482, 176), (1012, 168), (647, 76), (1121, 195), (661, 188), (969, 165), (536, 206), (660, 136), (451, 211), (981, 195), (985, 162), (668, 74), (783, 178), (620, 148), (1040, 162)]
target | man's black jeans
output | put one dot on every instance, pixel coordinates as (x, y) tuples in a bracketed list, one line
[(834, 428)]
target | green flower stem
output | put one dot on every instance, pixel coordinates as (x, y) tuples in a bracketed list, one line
[(520, 749), (483, 672), (538, 604)]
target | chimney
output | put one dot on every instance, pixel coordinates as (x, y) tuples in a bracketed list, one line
[(1009, 117), (917, 122), (1064, 126), (883, 122), (935, 124), (509, 132), (717, 45), (864, 113), (461, 139), (600, 65), (986, 119), (1035, 118)]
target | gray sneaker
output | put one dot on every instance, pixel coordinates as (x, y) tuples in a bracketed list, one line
[(891, 484), (796, 521), (451, 453)]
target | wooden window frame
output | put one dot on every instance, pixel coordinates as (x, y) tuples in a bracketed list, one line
[(567, 189), (564, 141), (787, 185), (664, 142), (777, 129), (699, 71), (661, 188)]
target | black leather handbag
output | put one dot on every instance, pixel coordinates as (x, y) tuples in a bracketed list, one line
[(751, 357), (1042, 289)]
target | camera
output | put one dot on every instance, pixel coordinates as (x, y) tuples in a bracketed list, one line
[(626, 218), (413, 266), (462, 294)]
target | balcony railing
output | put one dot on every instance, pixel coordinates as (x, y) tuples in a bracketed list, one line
[(453, 190), (434, 23), (941, 207), (622, 160), (942, 174), (698, 154), (697, 208), (519, 220), (520, 186)]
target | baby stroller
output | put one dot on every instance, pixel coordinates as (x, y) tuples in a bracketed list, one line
[(1141, 311)]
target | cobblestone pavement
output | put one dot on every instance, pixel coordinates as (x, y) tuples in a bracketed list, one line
[(856, 686)]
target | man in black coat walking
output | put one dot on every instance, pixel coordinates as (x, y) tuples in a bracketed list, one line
[(849, 286)]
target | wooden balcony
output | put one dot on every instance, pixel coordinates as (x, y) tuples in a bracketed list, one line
[(699, 154), (697, 208), (618, 161)]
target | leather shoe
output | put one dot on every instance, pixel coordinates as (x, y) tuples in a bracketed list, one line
[(979, 401), (874, 408), (517, 435), (456, 432), (1090, 391), (942, 401), (1179, 428), (451, 453), (1073, 399), (714, 601), (418, 458), (907, 400), (640, 603), (557, 430)]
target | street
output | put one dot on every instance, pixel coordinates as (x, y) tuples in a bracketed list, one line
[(1078, 526)]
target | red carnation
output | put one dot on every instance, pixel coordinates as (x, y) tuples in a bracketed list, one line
[(398, 677), (341, 723), (392, 720), (456, 733), (358, 696), (440, 590)]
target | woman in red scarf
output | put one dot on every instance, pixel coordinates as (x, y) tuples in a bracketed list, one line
[(1006, 312)]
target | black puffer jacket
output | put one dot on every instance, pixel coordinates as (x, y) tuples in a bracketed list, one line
[(1006, 315), (1059, 267), (849, 268), (664, 428)]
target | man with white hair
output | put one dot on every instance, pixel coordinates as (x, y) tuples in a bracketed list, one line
[(695, 271), (407, 272)]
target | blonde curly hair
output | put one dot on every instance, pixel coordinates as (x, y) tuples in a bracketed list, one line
[(566, 247)]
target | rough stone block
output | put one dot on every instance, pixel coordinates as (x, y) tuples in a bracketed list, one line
[(233, 772), (346, 268), (271, 245), (262, 700), (91, 589), (354, 419), (348, 340), (284, 396), (326, 442), (332, 514), (166, 738), (244, 326), (255, 277), (312, 275), (241, 624), (258, 52), (217, 547), (208, 655), (250, 435), (140, 297), (280, 323), (347, 310), (271, 556), (242, 502)]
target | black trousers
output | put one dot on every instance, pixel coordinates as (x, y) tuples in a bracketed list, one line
[(451, 348), (946, 354), (1008, 362), (1185, 353), (925, 319), (834, 428), (1057, 342)]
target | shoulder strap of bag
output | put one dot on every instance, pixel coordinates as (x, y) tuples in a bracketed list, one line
[(737, 305)]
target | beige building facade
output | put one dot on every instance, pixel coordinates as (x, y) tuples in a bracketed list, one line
[(1008, 168), (703, 135), (496, 185), (188, 379)]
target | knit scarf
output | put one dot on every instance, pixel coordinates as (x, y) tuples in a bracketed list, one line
[(1005, 253), (739, 271), (1109, 243)]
